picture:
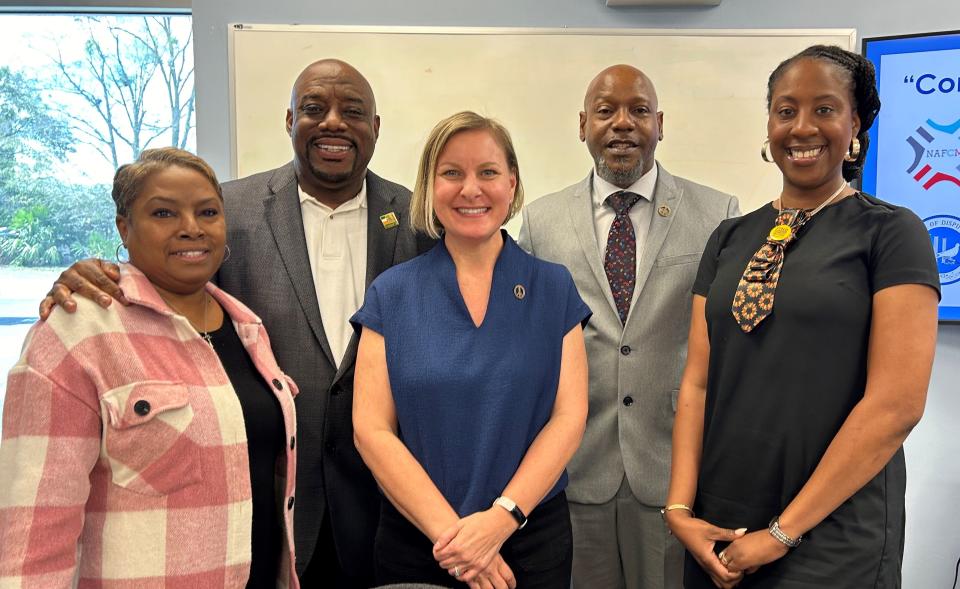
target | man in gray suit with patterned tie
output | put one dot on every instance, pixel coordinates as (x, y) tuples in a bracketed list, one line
[(631, 234)]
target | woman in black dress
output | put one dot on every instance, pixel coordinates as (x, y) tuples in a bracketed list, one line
[(812, 339)]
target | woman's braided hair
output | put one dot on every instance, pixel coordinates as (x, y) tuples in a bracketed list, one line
[(863, 87)]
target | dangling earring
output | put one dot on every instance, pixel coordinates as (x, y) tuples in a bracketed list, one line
[(226, 253), (763, 151), (119, 261), (854, 152)]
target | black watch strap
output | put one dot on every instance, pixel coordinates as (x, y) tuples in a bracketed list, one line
[(511, 506)]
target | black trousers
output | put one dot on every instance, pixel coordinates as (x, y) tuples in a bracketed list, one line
[(324, 570), (540, 555)]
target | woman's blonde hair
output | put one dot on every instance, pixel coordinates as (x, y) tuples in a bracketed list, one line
[(422, 216), (129, 179)]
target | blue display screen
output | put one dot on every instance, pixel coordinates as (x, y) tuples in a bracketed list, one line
[(914, 154)]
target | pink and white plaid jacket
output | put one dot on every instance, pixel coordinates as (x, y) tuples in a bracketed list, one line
[(124, 454)]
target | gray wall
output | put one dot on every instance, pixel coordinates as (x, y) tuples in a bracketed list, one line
[(933, 541)]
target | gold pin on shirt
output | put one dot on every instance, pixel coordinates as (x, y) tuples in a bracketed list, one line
[(664, 211), (389, 220), (519, 291), (780, 232)]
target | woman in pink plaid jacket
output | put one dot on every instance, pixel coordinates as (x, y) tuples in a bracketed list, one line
[(151, 444)]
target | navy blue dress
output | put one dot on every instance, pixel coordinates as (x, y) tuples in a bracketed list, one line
[(470, 400)]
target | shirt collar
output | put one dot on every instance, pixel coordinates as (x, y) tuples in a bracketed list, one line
[(357, 202), (138, 289), (643, 186)]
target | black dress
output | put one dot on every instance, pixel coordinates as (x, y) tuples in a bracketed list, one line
[(777, 396), (266, 439)]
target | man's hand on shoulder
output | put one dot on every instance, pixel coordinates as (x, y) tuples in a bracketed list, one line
[(91, 278)]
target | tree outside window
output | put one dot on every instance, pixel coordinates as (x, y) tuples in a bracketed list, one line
[(79, 96)]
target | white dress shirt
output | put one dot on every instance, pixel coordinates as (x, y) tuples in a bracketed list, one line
[(337, 247), (640, 214)]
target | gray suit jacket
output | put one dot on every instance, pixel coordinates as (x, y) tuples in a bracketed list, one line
[(269, 271), (634, 369)]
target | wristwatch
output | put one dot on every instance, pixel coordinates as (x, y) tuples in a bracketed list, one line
[(511, 506), (783, 538)]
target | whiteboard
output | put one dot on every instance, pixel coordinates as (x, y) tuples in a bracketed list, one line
[(711, 86)]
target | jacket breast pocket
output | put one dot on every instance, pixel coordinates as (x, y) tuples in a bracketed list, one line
[(147, 437), (680, 259)]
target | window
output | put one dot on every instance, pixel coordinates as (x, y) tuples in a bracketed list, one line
[(79, 96)]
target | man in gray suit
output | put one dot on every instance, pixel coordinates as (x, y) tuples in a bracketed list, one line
[(296, 235), (306, 239), (631, 235)]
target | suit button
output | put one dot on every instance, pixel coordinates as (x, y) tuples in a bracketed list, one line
[(625, 350), (330, 446), (335, 391), (141, 407), (628, 400), (278, 384), (293, 442), (290, 503)]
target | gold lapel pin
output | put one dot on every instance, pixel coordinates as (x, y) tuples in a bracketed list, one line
[(663, 211), (519, 291), (389, 220)]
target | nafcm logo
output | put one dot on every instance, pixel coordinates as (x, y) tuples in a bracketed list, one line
[(931, 83), (945, 235), (940, 160)]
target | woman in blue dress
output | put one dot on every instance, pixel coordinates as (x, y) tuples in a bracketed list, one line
[(471, 381)]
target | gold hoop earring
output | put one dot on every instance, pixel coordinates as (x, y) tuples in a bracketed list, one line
[(763, 151), (854, 152)]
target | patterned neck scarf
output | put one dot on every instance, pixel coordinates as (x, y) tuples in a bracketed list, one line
[(753, 300)]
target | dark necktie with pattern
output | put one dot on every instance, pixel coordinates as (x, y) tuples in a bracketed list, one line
[(753, 300), (620, 259)]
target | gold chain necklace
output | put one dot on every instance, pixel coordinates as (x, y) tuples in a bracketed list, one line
[(843, 184), (783, 230)]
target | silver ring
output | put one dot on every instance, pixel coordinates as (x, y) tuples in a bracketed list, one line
[(456, 572)]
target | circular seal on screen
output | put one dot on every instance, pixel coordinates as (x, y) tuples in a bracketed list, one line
[(945, 235)]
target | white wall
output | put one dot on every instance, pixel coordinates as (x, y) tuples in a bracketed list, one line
[(933, 541)]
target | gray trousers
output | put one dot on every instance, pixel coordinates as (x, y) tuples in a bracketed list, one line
[(623, 544)]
